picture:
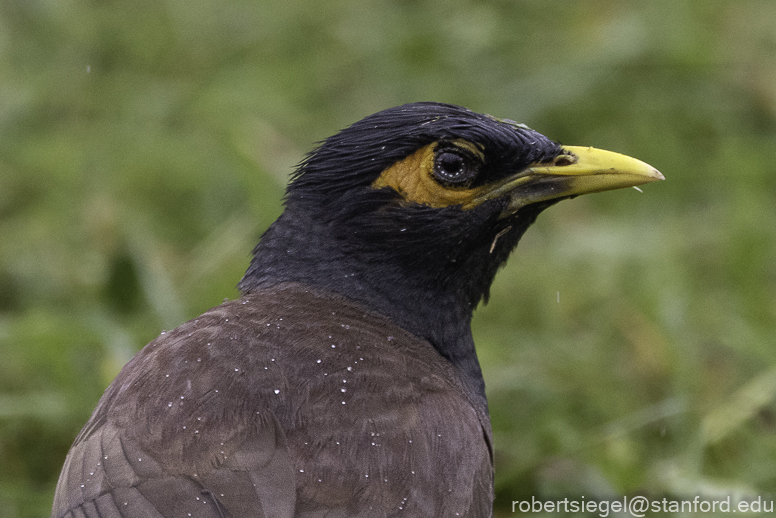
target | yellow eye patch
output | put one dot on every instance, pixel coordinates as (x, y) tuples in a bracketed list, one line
[(413, 178)]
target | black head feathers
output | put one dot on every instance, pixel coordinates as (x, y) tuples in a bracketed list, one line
[(355, 156)]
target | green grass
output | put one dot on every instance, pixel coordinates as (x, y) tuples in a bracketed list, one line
[(629, 346)]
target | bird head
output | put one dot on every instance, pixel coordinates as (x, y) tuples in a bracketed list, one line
[(419, 205), (437, 189), (439, 156)]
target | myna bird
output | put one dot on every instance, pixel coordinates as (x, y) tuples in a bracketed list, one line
[(344, 381)]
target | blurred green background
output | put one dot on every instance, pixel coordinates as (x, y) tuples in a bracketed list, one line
[(629, 346)]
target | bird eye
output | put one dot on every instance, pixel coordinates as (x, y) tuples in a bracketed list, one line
[(452, 169)]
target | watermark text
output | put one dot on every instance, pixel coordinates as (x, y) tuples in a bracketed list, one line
[(639, 506)]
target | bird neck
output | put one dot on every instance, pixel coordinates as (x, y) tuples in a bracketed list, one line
[(414, 280), (304, 251)]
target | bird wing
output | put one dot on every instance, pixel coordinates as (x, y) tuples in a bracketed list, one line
[(173, 435), (112, 474)]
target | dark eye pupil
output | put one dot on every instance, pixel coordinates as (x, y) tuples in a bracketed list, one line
[(450, 164), (453, 169)]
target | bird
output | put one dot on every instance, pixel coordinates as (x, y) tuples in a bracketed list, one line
[(344, 381)]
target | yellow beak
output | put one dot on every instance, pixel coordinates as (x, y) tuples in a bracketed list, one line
[(579, 170)]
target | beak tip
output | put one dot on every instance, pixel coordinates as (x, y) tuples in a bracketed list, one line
[(657, 175)]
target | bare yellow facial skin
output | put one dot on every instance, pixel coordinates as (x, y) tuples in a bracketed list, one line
[(413, 178)]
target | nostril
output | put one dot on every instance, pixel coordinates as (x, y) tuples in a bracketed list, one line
[(562, 160)]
